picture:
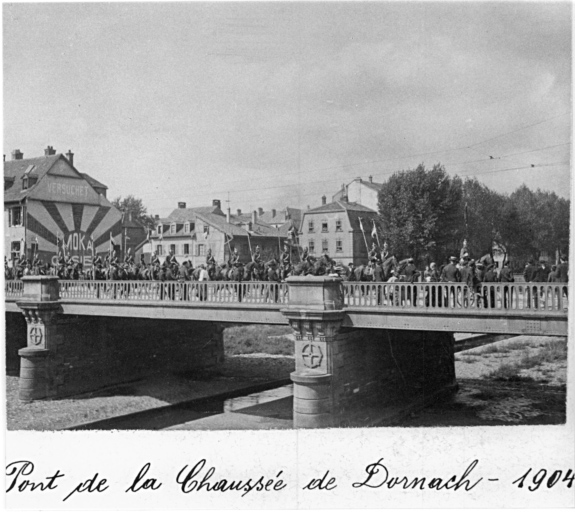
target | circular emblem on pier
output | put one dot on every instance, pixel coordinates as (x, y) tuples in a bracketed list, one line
[(311, 355), (36, 335)]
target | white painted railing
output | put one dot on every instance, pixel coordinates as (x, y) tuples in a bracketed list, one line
[(250, 292), (509, 296)]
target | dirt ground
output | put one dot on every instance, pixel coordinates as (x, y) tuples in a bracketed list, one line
[(517, 381)]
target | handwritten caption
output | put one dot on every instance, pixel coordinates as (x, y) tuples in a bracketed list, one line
[(203, 477)]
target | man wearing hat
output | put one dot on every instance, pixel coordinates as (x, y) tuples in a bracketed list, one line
[(450, 274), (373, 255), (235, 260), (350, 272)]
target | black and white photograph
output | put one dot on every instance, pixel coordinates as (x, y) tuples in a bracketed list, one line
[(287, 255)]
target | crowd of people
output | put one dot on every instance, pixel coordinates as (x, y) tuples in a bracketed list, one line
[(381, 266)]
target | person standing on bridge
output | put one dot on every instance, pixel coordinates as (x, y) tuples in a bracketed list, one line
[(530, 274), (506, 276), (466, 274), (563, 274), (450, 274)]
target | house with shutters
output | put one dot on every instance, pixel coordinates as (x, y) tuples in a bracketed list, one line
[(50, 206), (336, 228)]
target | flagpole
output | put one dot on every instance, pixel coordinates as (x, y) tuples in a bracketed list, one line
[(364, 238), (376, 235)]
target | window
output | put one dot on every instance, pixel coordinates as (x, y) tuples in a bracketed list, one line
[(324, 245), (311, 246), (310, 226), (25, 183), (338, 225), (173, 248), (172, 229), (186, 249), (159, 250), (187, 228), (324, 226), (159, 229), (201, 250), (15, 250), (15, 216), (206, 230), (338, 246)]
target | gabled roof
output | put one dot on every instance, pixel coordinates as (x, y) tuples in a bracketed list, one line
[(189, 214), (15, 169), (281, 216), (38, 167), (220, 223), (95, 183)]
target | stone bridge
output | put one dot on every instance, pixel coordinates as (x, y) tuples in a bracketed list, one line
[(361, 348)]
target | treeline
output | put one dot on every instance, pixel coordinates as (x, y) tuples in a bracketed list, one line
[(426, 214)]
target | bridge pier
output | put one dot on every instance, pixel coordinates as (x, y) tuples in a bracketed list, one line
[(352, 377), (71, 354)]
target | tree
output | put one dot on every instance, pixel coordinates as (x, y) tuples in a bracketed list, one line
[(420, 212), (135, 206)]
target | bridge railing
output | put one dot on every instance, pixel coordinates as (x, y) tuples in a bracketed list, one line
[(14, 289), (249, 292), (457, 296)]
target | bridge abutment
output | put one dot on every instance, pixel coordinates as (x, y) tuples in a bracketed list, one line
[(71, 354), (351, 377)]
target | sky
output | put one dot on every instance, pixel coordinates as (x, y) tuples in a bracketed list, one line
[(276, 104)]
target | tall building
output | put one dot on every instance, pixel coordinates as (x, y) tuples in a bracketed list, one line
[(336, 227), (50, 206)]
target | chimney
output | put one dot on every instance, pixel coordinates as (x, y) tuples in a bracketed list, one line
[(70, 156), (239, 212), (4, 157), (217, 202), (323, 200), (182, 205), (228, 215), (130, 215), (157, 217), (254, 216), (17, 155), (371, 179), (260, 211), (49, 151), (273, 212)]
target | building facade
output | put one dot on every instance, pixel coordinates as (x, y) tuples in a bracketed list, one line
[(190, 232), (336, 228), (49, 207)]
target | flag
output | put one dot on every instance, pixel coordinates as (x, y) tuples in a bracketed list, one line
[(22, 248), (206, 232), (373, 231), (230, 240), (148, 235), (361, 225), (161, 232), (112, 246)]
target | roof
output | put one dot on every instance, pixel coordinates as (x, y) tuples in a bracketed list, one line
[(220, 223), (36, 167), (281, 216), (189, 214), (95, 183), (14, 170), (340, 206)]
